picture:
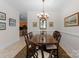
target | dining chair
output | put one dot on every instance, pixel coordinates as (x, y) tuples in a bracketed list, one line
[(42, 53), (55, 47), (31, 48), (45, 54), (24, 32), (30, 34), (32, 51)]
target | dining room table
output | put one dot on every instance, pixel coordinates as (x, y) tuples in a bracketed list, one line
[(42, 40)]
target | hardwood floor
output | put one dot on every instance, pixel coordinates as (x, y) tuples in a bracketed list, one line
[(62, 53), (22, 53)]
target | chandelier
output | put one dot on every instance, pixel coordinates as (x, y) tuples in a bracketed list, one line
[(43, 15)]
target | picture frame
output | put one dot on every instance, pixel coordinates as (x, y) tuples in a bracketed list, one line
[(2, 16), (34, 24), (50, 24), (2, 26), (72, 20), (12, 22)]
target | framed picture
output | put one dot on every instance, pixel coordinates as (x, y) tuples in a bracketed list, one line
[(2, 16), (72, 20), (2, 26), (12, 22), (50, 24), (34, 24)]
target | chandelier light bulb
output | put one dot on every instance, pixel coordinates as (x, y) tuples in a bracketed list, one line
[(43, 15)]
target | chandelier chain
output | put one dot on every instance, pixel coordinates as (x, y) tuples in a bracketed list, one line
[(43, 5)]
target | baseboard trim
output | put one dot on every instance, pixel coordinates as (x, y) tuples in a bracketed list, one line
[(22, 53)]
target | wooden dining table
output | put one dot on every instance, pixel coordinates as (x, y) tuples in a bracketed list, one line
[(42, 40)]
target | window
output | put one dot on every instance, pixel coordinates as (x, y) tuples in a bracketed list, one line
[(43, 24)]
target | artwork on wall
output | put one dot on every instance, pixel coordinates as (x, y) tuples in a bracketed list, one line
[(23, 19), (72, 20), (2, 26), (34, 24), (2, 16), (50, 24), (12, 22)]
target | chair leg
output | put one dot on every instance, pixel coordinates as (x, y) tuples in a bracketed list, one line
[(27, 56), (42, 53), (57, 54), (51, 53), (36, 55)]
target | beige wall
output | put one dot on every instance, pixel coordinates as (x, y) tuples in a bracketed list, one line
[(32, 17), (11, 34)]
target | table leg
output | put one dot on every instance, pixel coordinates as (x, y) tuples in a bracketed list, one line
[(42, 53)]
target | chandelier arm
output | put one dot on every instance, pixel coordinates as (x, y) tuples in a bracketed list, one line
[(43, 15)]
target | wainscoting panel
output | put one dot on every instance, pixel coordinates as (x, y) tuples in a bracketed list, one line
[(70, 43)]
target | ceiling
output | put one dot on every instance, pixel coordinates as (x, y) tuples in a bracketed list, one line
[(36, 5)]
